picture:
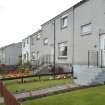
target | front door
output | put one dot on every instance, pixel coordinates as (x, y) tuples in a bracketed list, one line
[(103, 49)]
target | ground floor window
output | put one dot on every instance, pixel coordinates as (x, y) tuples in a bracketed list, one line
[(62, 49), (33, 55)]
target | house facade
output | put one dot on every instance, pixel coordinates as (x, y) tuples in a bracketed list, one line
[(36, 47), (58, 31), (89, 29), (10, 55), (70, 36), (77, 31), (26, 50), (75, 37)]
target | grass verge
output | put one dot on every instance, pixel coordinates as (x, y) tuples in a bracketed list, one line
[(90, 96), (33, 84)]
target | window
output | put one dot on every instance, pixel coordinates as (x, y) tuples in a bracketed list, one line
[(38, 37), (64, 22), (33, 55), (46, 41), (62, 49), (86, 28)]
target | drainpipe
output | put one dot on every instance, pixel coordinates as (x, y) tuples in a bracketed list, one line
[(54, 48), (73, 39), (100, 50)]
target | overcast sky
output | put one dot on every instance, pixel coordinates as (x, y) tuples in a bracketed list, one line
[(20, 18)]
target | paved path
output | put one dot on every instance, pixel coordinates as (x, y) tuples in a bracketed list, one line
[(46, 92), (1, 100)]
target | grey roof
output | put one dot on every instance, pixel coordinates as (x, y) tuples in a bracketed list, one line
[(10, 45), (76, 5), (35, 33)]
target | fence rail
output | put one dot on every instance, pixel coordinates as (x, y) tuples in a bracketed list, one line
[(9, 99), (95, 58), (37, 75), (46, 59)]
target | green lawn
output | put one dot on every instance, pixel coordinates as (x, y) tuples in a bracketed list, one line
[(91, 96), (1, 104), (14, 87)]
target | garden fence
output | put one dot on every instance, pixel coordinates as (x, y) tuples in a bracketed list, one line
[(96, 58), (9, 99)]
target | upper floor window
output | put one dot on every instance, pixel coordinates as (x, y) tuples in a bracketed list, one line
[(38, 36), (64, 22), (86, 29), (46, 41), (62, 49)]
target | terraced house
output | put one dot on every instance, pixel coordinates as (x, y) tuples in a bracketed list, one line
[(57, 36), (77, 31), (36, 47), (10, 54), (26, 50), (77, 37)]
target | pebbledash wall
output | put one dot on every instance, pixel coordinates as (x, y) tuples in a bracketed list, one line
[(90, 16), (10, 55), (77, 30), (36, 46), (63, 38), (26, 50)]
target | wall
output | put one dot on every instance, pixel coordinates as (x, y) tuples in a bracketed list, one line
[(26, 49), (12, 54), (62, 35), (90, 11), (37, 45)]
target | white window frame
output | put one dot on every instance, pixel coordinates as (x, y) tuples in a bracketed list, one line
[(45, 41), (86, 28), (63, 24), (61, 46)]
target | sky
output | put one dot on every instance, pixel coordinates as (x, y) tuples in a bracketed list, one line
[(21, 18)]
